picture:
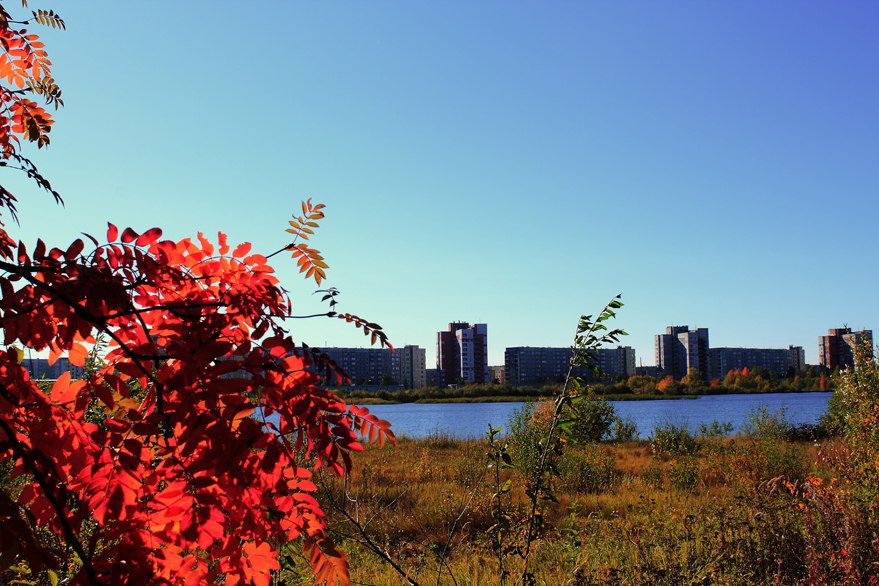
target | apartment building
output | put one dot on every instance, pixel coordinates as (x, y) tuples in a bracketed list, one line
[(462, 354), (679, 349), (380, 366), (778, 360), (408, 367), (836, 350), (39, 368), (527, 365)]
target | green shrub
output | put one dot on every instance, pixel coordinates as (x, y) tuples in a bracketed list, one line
[(858, 408), (653, 476), (589, 470), (768, 458), (684, 475), (763, 424), (807, 432), (624, 430), (833, 420), (673, 439), (593, 418), (526, 434), (715, 429)]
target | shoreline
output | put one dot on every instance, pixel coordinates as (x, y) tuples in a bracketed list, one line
[(525, 398)]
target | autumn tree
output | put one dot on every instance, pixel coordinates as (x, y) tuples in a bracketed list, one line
[(693, 380), (668, 386), (186, 455)]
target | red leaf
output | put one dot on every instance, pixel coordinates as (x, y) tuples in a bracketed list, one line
[(40, 250), (224, 245), (128, 235), (148, 237), (206, 245), (75, 248), (105, 395)]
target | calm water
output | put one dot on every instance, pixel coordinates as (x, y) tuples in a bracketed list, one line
[(463, 420)]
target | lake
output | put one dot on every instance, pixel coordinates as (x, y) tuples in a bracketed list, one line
[(470, 420)]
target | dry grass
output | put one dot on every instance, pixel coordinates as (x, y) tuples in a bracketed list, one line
[(708, 518)]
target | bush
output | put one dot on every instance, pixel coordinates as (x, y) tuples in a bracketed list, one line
[(641, 384), (768, 458), (715, 429), (684, 475), (624, 430), (652, 476), (590, 470), (673, 439), (833, 420), (807, 432), (765, 425), (527, 429), (857, 406), (593, 418)]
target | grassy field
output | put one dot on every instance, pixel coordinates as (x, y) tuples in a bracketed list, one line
[(734, 510)]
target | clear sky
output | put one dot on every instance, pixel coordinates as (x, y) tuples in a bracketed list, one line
[(513, 163)]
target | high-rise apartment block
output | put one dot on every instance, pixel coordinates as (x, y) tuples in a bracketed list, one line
[(408, 367), (379, 366), (616, 363), (679, 349), (364, 366), (462, 354), (781, 361), (837, 348), (497, 374), (433, 377), (797, 358), (526, 365)]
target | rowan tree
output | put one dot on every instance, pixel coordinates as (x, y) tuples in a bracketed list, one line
[(186, 454)]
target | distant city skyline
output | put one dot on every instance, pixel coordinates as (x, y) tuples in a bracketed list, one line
[(648, 358), (505, 163)]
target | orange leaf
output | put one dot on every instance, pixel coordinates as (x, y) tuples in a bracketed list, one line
[(64, 391), (78, 355), (224, 246), (261, 560), (241, 250), (54, 354)]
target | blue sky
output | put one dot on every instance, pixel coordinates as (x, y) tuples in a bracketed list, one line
[(510, 163)]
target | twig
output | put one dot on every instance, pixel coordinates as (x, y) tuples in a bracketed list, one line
[(366, 539), (442, 560)]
